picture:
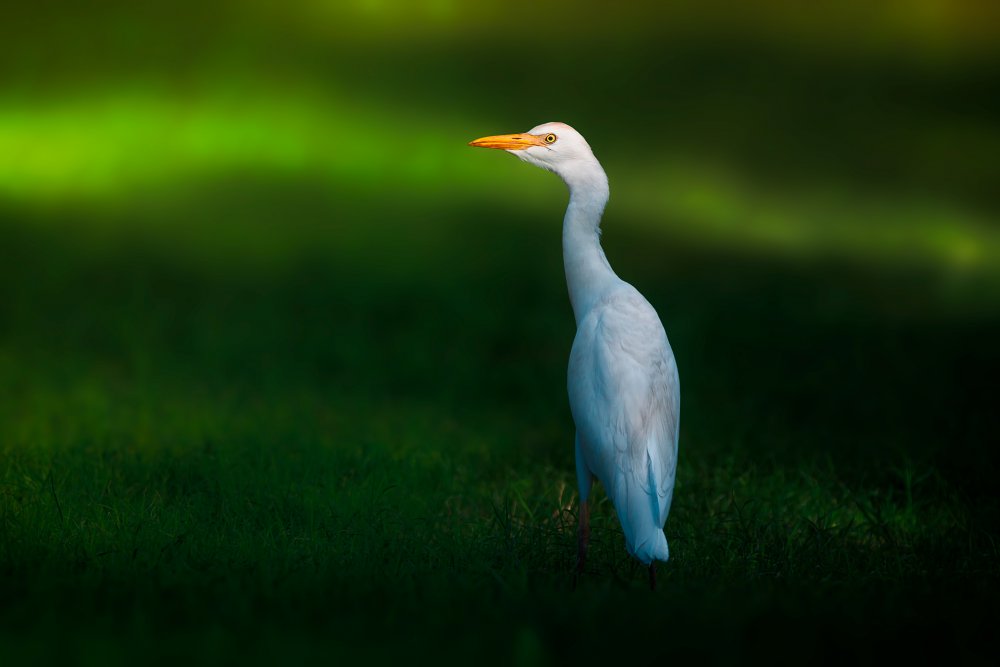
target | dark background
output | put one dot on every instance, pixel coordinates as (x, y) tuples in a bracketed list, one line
[(282, 359)]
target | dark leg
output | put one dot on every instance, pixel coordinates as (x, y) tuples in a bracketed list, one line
[(584, 537), (652, 576), (585, 480)]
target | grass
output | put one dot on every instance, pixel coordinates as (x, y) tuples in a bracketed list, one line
[(253, 409), (341, 455)]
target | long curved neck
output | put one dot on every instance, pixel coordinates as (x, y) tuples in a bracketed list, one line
[(588, 274)]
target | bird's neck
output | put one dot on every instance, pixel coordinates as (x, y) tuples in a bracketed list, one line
[(588, 274)]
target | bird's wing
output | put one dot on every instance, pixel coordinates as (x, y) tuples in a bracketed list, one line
[(636, 404)]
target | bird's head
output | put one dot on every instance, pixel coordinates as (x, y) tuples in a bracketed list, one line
[(556, 147)]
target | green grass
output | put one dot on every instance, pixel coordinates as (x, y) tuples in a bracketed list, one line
[(348, 451), (282, 361)]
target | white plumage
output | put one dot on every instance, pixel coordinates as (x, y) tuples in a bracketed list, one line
[(624, 391)]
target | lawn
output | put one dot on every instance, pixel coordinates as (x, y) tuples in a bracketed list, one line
[(282, 368)]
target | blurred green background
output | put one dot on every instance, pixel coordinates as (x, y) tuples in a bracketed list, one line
[(282, 359)]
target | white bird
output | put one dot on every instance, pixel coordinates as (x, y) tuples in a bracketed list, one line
[(624, 391)]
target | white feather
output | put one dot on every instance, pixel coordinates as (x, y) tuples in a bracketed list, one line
[(624, 391), (625, 399)]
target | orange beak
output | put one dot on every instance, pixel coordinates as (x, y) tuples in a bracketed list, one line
[(509, 142)]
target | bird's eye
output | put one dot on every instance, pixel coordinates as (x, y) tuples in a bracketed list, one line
[(550, 138)]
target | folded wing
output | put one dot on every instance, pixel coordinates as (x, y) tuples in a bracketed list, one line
[(624, 392)]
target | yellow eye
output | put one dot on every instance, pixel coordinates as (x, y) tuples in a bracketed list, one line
[(550, 138)]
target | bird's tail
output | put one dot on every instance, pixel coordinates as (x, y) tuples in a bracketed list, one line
[(641, 516), (638, 511), (652, 547)]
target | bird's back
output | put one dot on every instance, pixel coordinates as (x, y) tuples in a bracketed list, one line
[(625, 398)]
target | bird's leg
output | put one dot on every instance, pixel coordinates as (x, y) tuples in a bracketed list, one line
[(584, 536), (652, 576), (585, 480)]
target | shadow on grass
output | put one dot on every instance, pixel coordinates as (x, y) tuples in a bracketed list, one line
[(355, 431)]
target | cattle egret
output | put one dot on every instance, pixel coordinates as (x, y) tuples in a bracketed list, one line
[(624, 391)]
